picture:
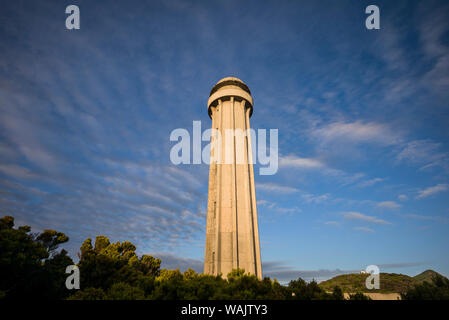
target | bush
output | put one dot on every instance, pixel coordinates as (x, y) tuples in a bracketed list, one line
[(124, 291), (358, 296), (438, 289), (88, 294)]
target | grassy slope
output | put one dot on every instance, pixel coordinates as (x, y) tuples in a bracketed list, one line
[(355, 282), (426, 276), (389, 282)]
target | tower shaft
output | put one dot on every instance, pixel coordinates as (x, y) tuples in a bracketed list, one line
[(232, 236)]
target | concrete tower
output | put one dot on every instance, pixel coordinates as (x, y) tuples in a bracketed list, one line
[(232, 233)]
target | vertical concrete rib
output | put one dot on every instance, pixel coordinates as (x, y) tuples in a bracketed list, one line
[(218, 192), (235, 242), (258, 263)]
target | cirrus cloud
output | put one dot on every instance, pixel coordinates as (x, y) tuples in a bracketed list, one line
[(352, 215), (432, 190)]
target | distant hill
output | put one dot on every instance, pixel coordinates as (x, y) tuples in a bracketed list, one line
[(389, 282), (355, 282), (426, 276)]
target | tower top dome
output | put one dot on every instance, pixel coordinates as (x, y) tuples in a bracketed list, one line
[(229, 81), (229, 87)]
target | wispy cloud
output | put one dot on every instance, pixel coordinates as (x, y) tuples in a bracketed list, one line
[(273, 206), (310, 198), (369, 183), (432, 190), (276, 188), (433, 26), (389, 205), (16, 171), (265, 203), (364, 229), (425, 153), (356, 132), (401, 265), (283, 210), (319, 167), (362, 217), (297, 162)]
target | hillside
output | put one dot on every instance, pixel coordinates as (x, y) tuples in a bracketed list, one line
[(426, 276), (355, 282)]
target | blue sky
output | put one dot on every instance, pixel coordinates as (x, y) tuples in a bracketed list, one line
[(86, 116)]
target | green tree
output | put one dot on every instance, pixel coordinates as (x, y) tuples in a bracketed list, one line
[(438, 289), (29, 263), (105, 264), (189, 274), (301, 290), (88, 294), (124, 291), (338, 294), (358, 296)]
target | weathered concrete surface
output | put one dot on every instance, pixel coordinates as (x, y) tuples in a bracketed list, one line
[(232, 235)]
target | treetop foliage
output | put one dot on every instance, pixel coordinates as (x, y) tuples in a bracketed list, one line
[(29, 263)]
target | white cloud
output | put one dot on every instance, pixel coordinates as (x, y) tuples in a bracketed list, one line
[(275, 208), (402, 197), (297, 162), (368, 183), (265, 203), (364, 229), (287, 210), (276, 188), (432, 190), (16, 171), (389, 205), (310, 198), (432, 30), (332, 223), (310, 163), (356, 132), (360, 216), (423, 152)]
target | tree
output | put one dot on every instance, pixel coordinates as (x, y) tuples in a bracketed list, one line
[(338, 294), (301, 290), (358, 296), (150, 266), (29, 263), (105, 264), (88, 294), (189, 274), (438, 289), (124, 291), (51, 239)]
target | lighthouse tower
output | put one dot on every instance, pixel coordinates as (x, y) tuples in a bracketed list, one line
[(232, 233)]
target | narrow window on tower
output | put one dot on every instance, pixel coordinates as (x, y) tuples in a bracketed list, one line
[(215, 208)]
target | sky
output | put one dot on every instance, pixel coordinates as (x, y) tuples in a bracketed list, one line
[(363, 117)]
